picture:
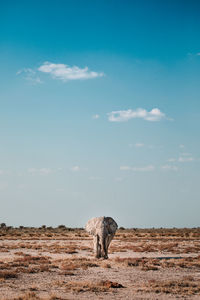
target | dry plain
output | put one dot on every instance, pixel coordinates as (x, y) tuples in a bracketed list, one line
[(58, 263)]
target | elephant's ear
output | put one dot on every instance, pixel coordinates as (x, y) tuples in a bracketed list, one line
[(111, 225)]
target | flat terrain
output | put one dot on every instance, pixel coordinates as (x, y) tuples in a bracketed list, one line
[(58, 263)]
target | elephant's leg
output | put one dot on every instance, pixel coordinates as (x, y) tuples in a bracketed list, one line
[(99, 250), (104, 251), (97, 246), (108, 241)]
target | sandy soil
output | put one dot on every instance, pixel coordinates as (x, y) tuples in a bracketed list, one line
[(59, 264)]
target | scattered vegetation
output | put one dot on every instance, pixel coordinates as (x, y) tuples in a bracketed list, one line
[(88, 286), (155, 264), (184, 286), (64, 255)]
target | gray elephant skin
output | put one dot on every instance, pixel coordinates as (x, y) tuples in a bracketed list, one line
[(103, 230)]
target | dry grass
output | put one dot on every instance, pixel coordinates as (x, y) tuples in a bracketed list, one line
[(184, 286), (64, 233), (34, 296), (42, 233), (78, 263), (26, 264), (65, 254), (7, 274), (147, 264), (90, 286), (28, 296)]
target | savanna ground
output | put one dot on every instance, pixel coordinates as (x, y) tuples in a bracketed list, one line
[(58, 263)]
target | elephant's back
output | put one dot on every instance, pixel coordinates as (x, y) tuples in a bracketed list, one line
[(101, 225), (93, 225)]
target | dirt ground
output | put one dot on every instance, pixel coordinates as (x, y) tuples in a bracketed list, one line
[(58, 263)]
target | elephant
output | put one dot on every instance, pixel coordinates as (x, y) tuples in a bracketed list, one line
[(103, 230)]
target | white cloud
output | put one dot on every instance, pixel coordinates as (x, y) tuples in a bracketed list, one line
[(95, 116), (171, 160), (143, 169), (41, 171), (65, 72), (125, 115), (191, 55), (45, 171), (28, 71), (169, 168), (138, 145), (181, 146), (30, 75), (138, 169), (185, 159), (125, 168), (32, 170), (185, 154), (75, 169)]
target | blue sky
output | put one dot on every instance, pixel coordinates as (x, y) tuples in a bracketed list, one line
[(100, 112)]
